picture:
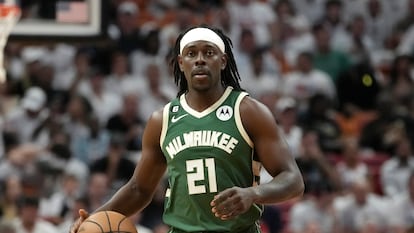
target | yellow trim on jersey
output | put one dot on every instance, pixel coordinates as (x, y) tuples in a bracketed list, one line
[(238, 120), (165, 115)]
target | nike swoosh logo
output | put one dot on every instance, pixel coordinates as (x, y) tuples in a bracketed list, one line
[(175, 119)]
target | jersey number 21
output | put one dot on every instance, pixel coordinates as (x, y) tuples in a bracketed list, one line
[(196, 173)]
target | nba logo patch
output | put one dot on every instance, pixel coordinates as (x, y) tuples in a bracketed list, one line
[(224, 113)]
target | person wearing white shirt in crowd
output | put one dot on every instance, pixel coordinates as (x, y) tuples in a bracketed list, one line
[(104, 103), (322, 218), (301, 38), (286, 115), (402, 212), (376, 21), (395, 172), (258, 16), (351, 168), (58, 206), (29, 220), (150, 53), (261, 81), (362, 210), (30, 113), (311, 9), (306, 81), (285, 111), (120, 80), (157, 93)]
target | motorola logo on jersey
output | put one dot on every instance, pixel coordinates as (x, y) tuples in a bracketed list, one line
[(224, 113)]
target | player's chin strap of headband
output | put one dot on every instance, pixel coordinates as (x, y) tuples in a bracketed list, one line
[(204, 34)]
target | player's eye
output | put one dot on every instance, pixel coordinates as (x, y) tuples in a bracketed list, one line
[(190, 53), (210, 52)]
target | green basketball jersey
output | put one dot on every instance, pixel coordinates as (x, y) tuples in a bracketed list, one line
[(206, 152)]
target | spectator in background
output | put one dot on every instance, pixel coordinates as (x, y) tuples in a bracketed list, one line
[(59, 205), (29, 219), (326, 57), (20, 160), (306, 81), (379, 134), (243, 50), (335, 19), (97, 191), (312, 10), (79, 203), (128, 122), (357, 42), (120, 79), (407, 20), (395, 172), (323, 218), (317, 172), (64, 177), (222, 19), (377, 23), (286, 114), (149, 54), (31, 112), (319, 119), (401, 78), (362, 210), (351, 167), (82, 69), (358, 86), (281, 29), (401, 213), (75, 122), (125, 32), (158, 93), (104, 103), (300, 40), (261, 81), (93, 145), (115, 164), (256, 16)]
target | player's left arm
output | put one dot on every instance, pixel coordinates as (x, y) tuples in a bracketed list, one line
[(274, 154)]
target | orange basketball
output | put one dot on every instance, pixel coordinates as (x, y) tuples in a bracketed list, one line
[(107, 222)]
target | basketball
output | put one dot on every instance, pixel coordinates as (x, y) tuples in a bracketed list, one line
[(107, 222)]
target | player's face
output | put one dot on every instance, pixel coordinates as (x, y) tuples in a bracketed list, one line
[(202, 63)]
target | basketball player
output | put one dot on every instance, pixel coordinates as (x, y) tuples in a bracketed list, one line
[(210, 140)]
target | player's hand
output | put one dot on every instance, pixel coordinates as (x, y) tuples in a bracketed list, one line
[(83, 214), (232, 202)]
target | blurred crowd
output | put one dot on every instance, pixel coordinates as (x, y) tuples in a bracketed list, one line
[(338, 76)]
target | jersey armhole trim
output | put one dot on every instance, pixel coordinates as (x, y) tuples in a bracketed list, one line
[(165, 116), (238, 120)]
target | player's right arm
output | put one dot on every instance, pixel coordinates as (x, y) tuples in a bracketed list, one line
[(137, 193)]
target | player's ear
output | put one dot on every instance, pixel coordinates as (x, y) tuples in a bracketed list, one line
[(180, 62), (223, 61)]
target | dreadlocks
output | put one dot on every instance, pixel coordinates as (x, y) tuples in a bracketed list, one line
[(229, 76)]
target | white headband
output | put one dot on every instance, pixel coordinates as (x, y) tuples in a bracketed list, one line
[(204, 34)]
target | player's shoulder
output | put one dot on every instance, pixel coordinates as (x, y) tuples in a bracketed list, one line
[(249, 103), (156, 117), (253, 111)]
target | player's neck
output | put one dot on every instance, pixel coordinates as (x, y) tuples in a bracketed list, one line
[(199, 100)]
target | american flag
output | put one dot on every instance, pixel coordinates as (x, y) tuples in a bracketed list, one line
[(72, 12)]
